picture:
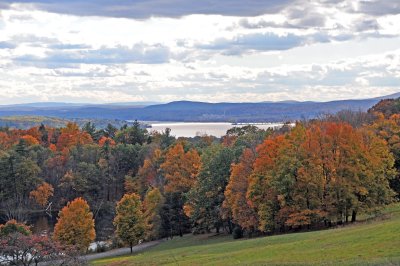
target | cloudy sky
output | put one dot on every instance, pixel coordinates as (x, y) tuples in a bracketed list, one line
[(101, 51)]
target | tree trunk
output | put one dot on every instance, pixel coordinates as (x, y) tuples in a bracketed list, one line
[(180, 228), (353, 216), (230, 227), (131, 248)]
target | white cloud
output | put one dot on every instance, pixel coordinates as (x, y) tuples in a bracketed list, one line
[(306, 51)]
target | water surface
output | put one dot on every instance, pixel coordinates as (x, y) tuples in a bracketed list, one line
[(192, 129)]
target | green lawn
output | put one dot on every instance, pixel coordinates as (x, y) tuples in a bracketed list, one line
[(371, 243)]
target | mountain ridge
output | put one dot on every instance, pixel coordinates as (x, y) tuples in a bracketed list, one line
[(192, 111)]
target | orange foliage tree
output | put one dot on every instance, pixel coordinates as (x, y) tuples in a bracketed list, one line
[(104, 140), (42, 194), (30, 140), (5, 141), (323, 172), (71, 135), (389, 130), (180, 168), (235, 193), (75, 225), (260, 194)]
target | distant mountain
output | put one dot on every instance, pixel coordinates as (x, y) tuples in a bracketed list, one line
[(195, 111), (62, 104), (44, 104), (135, 103)]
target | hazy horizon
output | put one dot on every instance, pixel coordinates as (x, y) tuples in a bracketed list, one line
[(146, 103)]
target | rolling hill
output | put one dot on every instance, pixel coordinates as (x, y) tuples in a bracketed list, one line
[(373, 242), (182, 111), (26, 122)]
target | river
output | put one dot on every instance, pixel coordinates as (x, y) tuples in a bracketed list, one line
[(192, 129)]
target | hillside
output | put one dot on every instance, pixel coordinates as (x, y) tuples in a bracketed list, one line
[(195, 111), (25, 122), (367, 243)]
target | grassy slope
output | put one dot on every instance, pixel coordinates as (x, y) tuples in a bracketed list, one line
[(370, 243)]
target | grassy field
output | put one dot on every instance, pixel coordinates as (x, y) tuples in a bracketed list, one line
[(374, 242)]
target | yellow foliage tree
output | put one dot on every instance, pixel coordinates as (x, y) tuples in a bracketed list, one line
[(152, 205)]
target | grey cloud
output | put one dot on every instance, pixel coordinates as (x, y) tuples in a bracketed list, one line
[(299, 15), (362, 25), (304, 15), (4, 5), (92, 73), (367, 25), (139, 53), (33, 40), (310, 20), (257, 41), (40, 41), (7, 45), (342, 37), (64, 46), (245, 23), (262, 42), (162, 8), (380, 7), (20, 18), (313, 20)]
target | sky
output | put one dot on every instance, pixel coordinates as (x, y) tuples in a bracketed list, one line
[(106, 51)]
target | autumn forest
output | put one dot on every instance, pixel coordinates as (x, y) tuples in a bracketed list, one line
[(129, 184)]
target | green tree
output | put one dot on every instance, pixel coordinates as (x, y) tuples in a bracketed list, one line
[(132, 135), (90, 128), (18, 175), (110, 131), (129, 221), (12, 226), (205, 199), (152, 205)]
